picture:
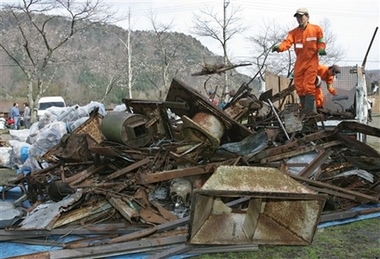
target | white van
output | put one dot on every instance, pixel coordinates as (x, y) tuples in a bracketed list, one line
[(47, 102)]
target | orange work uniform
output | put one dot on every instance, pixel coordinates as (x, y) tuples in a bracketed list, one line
[(306, 43), (323, 72)]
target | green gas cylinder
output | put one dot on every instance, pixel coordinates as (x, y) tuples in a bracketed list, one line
[(126, 128)]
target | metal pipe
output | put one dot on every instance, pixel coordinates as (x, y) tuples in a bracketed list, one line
[(278, 118)]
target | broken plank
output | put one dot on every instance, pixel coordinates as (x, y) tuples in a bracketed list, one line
[(126, 211), (300, 151), (108, 250), (128, 168), (79, 177), (171, 174), (333, 187), (82, 212), (332, 192), (338, 216)]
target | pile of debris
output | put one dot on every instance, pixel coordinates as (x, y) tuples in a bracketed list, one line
[(183, 176)]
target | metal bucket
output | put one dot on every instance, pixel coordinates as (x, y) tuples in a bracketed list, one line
[(203, 127), (126, 128), (280, 211)]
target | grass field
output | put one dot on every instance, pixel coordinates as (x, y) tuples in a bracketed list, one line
[(357, 240)]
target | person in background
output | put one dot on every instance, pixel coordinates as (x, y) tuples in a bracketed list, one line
[(326, 74), (15, 116), (231, 93), (308, 41), (26, 116), (211, 97)]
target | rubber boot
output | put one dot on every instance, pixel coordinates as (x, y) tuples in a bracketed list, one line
[(309, 107), (309, 112), (302, 100)]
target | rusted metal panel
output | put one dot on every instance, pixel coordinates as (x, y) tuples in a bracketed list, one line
[(145, 178), (211, 127), (180, 92), (280, 210), (92, 128)]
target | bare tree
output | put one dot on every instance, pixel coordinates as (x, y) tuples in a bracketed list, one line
[(334, 53), (220, 28), (35, 47), (268, 35), (167, 50), (128, 47)]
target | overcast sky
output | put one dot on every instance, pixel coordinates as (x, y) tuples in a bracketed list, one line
[(352, 21)]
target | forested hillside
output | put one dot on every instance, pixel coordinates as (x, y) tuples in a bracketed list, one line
[(98, 57)]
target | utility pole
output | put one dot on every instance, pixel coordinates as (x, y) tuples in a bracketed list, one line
[(129, 50), (225, 57)]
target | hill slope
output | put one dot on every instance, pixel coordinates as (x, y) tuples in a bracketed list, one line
[(92, 59)]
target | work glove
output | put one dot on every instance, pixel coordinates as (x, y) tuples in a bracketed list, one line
[(332, 90), (322, 52), (275, 48)]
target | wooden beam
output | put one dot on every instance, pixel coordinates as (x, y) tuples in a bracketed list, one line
[(333, 187), (128, 169), (171, 174)]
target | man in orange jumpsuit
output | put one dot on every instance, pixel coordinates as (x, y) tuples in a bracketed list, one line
[(308, 42), (325, 74)]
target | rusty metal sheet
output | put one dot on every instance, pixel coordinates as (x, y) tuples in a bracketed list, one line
[(280, 210), (92, 128), (247, 179), (180, 92)]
